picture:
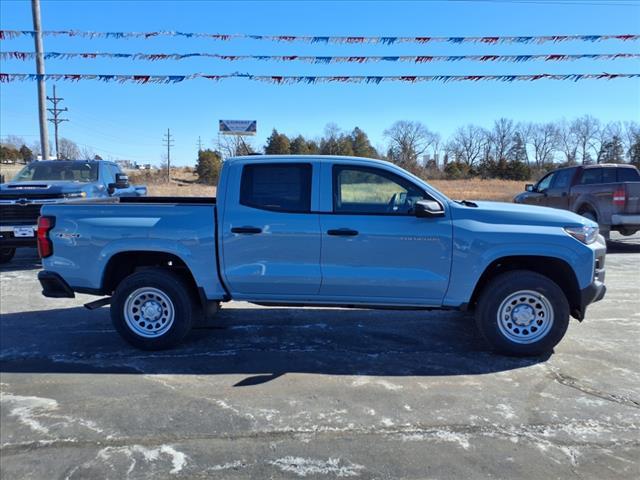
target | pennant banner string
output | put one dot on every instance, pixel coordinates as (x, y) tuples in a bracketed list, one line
[(283, 79), (386, 40), (14, 55)]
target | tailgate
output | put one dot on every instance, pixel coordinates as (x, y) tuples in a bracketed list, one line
[(632, 203)]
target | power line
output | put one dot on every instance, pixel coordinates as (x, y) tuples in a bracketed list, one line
[(168, 142), (56, 120)]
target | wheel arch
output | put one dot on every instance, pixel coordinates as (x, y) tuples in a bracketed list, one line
[(123, 264), (556, 269)]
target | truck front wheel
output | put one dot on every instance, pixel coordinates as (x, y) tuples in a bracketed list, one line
[(522, 313), (152, 309)]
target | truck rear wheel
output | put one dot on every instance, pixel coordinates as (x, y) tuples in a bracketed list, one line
[(6, 254), (522, 313), (152, 309)]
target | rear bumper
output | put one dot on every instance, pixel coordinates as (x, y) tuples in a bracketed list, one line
[(9, 240), (622, 219), (54, 286)]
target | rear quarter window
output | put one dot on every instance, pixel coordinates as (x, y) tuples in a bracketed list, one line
[(284, 187), (628, 175)]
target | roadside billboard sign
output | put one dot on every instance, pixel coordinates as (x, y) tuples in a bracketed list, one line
[(238, 127)]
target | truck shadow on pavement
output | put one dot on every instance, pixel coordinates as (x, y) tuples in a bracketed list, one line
[(263, 343)]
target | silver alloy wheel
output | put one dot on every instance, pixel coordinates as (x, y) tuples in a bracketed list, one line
[(149, 312), (525, 316)]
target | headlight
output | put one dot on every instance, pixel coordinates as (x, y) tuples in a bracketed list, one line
[(75, 195), (585, 234)]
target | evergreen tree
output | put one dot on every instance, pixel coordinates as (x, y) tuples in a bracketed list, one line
[(26, 154), (612, 151), (300, 146), (634, 151), (208, 166), (361, 146), (277, 144)]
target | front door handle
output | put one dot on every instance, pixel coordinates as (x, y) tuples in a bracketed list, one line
[(249, 230), (342, 232)]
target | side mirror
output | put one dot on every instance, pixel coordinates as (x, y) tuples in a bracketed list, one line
[(529, 187), (428, 208), (122, 181)]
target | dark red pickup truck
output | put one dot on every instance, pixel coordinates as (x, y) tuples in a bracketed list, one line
[(607, 193)]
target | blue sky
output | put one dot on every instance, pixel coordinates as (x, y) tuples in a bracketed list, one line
[(128, 121)]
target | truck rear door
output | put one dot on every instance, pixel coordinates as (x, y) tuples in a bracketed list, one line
[(270, 238)]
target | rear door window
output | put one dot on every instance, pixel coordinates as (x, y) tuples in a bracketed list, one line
[(283, 187), (591, 176), (609, 175)]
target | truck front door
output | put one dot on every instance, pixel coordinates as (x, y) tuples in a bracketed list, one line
[(557, 195), (373, 246), (270, 238)]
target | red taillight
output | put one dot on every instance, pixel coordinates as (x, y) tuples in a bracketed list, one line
[(45, 247), (620, 196)]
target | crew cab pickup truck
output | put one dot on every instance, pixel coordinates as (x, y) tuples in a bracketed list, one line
[(608, 194), (324, 231), (53, 181)]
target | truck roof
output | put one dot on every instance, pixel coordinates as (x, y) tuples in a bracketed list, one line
[(298, 158)]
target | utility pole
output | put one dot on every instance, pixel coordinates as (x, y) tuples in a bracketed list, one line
[(42, 89), (56, 120), (168, 142)]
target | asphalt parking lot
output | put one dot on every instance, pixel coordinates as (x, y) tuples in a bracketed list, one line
[(316, 393)]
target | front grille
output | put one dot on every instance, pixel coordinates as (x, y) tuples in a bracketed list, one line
[(21, 213), (24, 193)]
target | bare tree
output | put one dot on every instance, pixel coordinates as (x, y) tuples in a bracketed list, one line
[(468, 144), (501, 138), (630, 137), (408, 141), (567, 141), (86, 153), (586, 129), (545, 143), (234, 146), (68, 149)]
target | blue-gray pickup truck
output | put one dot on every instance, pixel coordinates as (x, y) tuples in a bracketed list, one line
[(53, 181), (324, 231)]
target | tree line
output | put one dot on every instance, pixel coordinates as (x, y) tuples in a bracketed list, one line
[(14, 149), (508, 149)]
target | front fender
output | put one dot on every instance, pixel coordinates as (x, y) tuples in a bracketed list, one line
[(475, 248)]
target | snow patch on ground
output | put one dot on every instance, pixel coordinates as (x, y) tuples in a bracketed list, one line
[(29, 410), (506, 411), (309, 466)]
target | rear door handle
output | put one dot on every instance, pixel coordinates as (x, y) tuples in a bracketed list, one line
[(249, 230), (342, 232)]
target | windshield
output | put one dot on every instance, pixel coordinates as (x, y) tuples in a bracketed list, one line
[(58, 170)]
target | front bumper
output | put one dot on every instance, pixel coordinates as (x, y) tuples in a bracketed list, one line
[(596, 290), (54, 286)]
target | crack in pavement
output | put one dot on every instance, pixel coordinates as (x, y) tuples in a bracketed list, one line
[(572, 382)]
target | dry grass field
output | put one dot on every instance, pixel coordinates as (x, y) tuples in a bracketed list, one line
[(473, 189), (183, 184)]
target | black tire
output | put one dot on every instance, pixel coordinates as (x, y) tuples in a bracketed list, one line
[(170, 285), (6, 254), (498, 290)]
